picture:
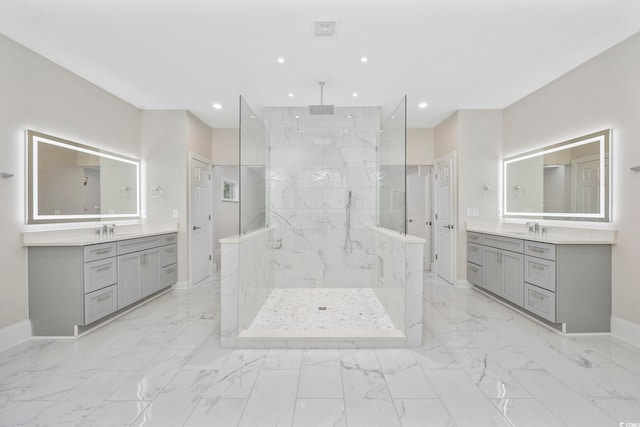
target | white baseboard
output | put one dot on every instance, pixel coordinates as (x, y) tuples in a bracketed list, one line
[(463, 284), (625, 330), (15, 334), (185, 284)]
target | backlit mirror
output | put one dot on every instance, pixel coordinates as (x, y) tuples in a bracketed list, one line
[(70, 182), (568, 181)]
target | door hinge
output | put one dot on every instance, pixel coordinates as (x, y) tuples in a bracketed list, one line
[(209, 217), (436, 216), (436, 257), (210, 258)]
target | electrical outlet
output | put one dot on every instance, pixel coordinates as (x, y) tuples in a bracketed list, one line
[(175, 213)]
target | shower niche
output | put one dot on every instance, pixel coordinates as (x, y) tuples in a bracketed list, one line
[(322, 208)]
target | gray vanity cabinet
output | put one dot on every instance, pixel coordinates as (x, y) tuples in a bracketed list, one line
[(503, 272), (138, 269), (568, 285), (71, 287)]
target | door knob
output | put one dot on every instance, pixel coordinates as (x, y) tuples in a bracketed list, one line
[(410, 220), (196, 228)]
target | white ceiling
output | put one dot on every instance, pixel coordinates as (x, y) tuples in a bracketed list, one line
[(188, 54)]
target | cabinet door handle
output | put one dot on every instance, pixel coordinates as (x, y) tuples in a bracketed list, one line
[(102, 251), (103, 297), (104, 267), (536, 249), (537, 266)]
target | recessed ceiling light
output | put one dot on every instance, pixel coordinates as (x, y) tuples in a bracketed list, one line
[(423, 105), (281, 60), (355, 94), (297, 117), (364, 59), (290, 95), (217, 106)]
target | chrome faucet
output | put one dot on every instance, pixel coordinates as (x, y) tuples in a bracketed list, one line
[(534, 227), (104, 229)]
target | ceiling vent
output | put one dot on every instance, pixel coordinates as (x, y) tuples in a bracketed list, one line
[(324, 29)]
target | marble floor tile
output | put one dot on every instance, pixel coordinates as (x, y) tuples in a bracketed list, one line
[(570, 407), (238, 375), (526, 413), (320, 413), (362, 376), (371, 412), (580, 378), (403, 375), (176, 402), (320, 375), (283, 359), (422, 413), (462, 399), (272, 400), (114, 414), (480, 364), (214, 412)]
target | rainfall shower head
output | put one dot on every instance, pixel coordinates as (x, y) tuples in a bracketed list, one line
[(321, 109)]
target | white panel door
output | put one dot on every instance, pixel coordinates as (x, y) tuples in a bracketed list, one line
[(419, 207), (444, 218), (200, 221)]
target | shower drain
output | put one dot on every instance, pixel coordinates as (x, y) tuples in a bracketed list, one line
[(322, 308)]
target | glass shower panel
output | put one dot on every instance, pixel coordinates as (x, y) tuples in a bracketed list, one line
[(391, 173), (254, 166)]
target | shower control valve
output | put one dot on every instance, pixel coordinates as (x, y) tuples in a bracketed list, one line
[(322, 217)]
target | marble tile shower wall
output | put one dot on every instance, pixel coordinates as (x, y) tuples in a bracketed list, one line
[(246, 281), (398, 281), (315, 162)]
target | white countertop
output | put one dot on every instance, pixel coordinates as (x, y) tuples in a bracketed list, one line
[(86, 236), (571, 237)]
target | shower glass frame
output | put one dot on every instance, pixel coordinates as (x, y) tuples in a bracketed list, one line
[(391, 174), (253, 174)]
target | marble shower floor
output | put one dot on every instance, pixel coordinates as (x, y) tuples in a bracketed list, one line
[(481, 364), (322, 313)]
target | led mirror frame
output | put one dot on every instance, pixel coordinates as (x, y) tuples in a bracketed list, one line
[(604, 138), (33, 217)]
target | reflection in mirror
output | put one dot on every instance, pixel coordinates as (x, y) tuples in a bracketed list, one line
[(74, 182), (569, 180)]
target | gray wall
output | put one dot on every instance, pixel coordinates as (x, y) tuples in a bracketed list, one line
[(38, 94), (602, 93)]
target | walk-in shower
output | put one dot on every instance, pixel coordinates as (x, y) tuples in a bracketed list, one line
[(322, 255)]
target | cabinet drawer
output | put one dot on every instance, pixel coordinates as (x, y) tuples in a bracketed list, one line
[(540, 272), (101, 273), (100, 303), (540, 301), (169, 239), (474, 274), (169, 275), (506, 243), (540, 250), (99, 251), (474, 253), (474, 237), (169, 255), (139, 244)]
